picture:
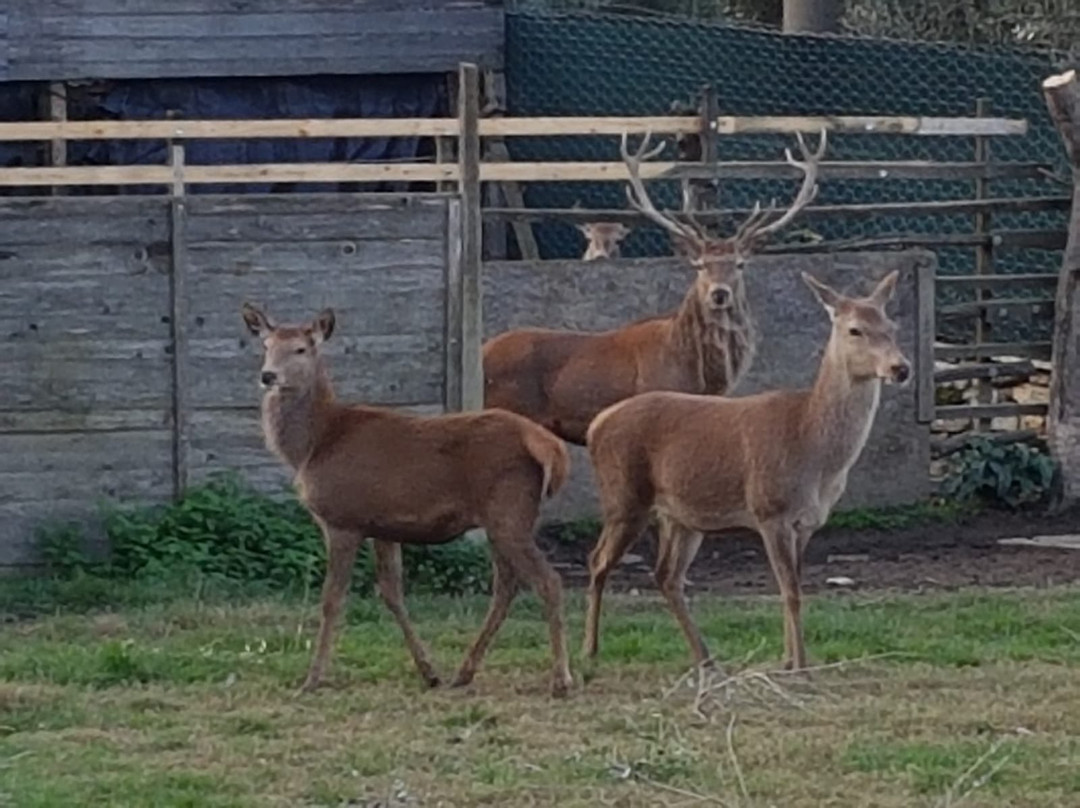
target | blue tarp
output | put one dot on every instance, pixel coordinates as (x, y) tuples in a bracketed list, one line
[(413, 96)]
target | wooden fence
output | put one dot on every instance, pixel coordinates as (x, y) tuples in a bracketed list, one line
[(212, 226)]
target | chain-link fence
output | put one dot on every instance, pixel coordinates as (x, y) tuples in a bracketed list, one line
[(587, 64)]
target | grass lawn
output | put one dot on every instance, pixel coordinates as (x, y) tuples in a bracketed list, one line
[(170, 699)]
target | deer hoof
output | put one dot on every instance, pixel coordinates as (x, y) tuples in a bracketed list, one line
[(560, 688), (463, 679), (431, 679), (310, 685)]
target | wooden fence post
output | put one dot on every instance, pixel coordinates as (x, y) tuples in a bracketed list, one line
[(472, 372), (178, 319), (1062, 94)]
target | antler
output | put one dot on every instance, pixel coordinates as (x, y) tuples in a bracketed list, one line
[(639, 198), (754, 230)]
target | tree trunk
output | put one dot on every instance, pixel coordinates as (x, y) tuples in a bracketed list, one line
[(811, 16), (1062, 93)]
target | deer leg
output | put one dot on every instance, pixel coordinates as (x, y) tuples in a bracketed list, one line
[(616, 538), (532, 569), (503, 591), (782, 548), (675, 553), (341, 547), (388, 574)]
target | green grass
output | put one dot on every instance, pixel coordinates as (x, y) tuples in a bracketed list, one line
[(187, 699)]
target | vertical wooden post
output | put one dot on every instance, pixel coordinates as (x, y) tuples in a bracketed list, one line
[(452, 399), (472, 372), (984, 261), (57, 110), (178, 319), (706, 197), (1062, 93)]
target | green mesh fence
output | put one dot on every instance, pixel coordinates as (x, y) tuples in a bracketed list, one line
[(587, 64)]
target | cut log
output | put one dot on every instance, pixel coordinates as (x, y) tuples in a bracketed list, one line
[(1062, 93)]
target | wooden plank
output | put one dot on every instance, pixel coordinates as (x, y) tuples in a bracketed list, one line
[(874, 210), (996, 281), (926, 329), (411, 127), (1006, 370), (393, 369), (57, 108), (472, 34), (1036, 350), (223, 8), (957, 411), (313, 217), (503, 172), (368, 259), (52, 421), (178, 299), (1031, 239), (142, 223), (291, 128), (974, 308), (453, 289), (472, 322)]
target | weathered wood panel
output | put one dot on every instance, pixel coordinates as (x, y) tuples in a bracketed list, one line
[(792, 331), (46, 478), (86, 411), (61, 39)]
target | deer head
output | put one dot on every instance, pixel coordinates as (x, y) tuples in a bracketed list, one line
[(603, 238), (863, 338), (719, 261), (290, 352)]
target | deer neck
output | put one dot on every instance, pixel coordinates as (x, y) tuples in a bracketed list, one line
[(840, 412), (292, 419), (716, 347)]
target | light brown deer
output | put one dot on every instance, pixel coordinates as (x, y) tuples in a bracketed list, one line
[(562, 379), (396, 477), (775, 462), (603, 239)]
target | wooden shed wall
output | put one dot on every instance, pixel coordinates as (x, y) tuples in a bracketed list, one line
[(53, 40), (87, 341)]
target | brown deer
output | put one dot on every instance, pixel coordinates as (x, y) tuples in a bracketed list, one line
[(603, 239), (562, 379), (775, 462), (397, 477)]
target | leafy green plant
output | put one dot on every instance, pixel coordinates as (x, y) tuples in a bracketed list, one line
[(901, 517), (225, 530), (62, 547), (577, 531), (1012, 475)]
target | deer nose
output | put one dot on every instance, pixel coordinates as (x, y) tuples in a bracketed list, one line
[(901, 372), (720, 295), (268, 378)]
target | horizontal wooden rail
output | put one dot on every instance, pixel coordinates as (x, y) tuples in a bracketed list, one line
[(1052, 240), (977, 306), (985, 350), (935, 208), (501, 127), (501, 172), (989, 410), (1005, 370), (998, 281)]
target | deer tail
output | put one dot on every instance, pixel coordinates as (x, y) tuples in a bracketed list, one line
[(552, 456)]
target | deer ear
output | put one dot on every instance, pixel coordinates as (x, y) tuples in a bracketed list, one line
[(585, 229), (323, 326), (828, 297), (255, 320), (883, 292), (621, 231)]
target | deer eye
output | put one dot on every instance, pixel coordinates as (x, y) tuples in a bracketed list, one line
[(855, 332), (301, 350)]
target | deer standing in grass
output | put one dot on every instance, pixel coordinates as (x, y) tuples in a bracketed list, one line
[(562, 379), (775, 462), (373, 472)]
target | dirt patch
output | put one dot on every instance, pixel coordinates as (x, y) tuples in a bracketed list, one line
[(929, 556)]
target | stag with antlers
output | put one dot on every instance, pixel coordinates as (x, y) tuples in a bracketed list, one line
[(562, 379)]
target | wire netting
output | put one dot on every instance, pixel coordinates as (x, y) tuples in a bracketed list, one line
[(591, 64)]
